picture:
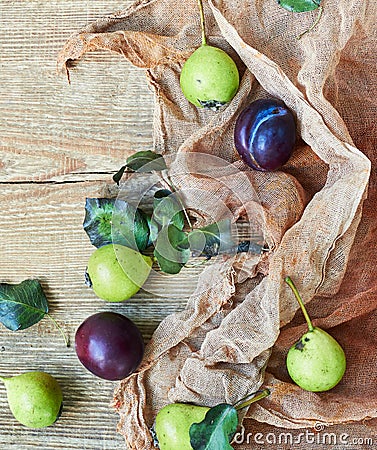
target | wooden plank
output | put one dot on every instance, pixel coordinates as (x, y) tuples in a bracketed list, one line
[(52, 130), (42, 237), (60, 143)]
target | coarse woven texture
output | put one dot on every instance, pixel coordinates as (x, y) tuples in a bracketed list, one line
[(316, 214)]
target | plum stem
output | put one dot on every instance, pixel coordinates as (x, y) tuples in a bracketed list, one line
[(300, 302), (59, 328), (202, 22), (243, 403)]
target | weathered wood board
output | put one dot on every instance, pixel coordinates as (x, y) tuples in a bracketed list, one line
[(61, 143)]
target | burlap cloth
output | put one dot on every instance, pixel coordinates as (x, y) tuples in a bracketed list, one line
[(319, 216)]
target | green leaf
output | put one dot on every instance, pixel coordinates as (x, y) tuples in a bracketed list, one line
[(299, 5), (250, 247), (118, 176), (166, 265), (22, 305), (115, 221), (212, 240), (97, 221), (146, 161), (216, 430), (171, 249), (167, 209), (154, 229), (129, 226)]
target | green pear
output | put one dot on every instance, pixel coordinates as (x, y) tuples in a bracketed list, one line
[(173, 424), (117, 272), (209, 78), (316, 362), (35, 398)]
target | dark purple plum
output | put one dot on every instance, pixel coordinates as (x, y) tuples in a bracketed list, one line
[(109, 345), (265, 134)]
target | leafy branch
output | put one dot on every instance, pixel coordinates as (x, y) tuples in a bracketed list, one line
[(144, 161), (118, 222)]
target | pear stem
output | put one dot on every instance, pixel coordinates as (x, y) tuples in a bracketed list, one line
[(202, 22), (301, 303), (66, 340), (244, 404)]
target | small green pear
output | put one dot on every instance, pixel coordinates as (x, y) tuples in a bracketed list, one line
[(173, 424), (209, 78), (177, 424), (35, 398), (316, 362), (117, 272)]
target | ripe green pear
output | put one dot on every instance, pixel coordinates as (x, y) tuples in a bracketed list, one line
[(117, 272), (316, 362), (173, 424), (35, 398), (209, 78)]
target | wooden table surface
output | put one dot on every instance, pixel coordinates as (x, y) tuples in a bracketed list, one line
[(59, 144)]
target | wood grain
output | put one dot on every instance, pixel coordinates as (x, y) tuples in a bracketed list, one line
[(60, 143), (42, 237), (55, 131)]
